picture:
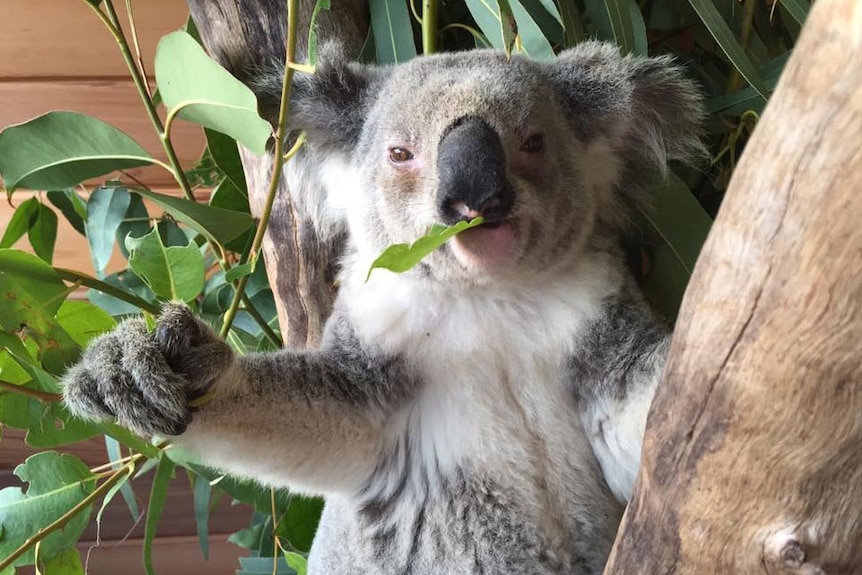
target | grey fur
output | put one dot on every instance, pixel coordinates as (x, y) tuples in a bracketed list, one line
[(458, 418)]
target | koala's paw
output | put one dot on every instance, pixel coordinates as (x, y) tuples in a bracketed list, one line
[(146, 380)]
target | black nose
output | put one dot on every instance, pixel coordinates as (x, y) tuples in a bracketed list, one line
[(471, 166)]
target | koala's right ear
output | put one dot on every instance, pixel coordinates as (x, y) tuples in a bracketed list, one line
[(331, 104)]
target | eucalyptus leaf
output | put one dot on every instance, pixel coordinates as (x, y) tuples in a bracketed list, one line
[(158, 495), (66, 563), (30, 294), (393, 31), (43, 232), (533, 41), (726, 40), (57, 482), (135, 223), (70, 205), (175, 273), (22, 219), (215, 224), (312, 30), (296, 562), (401, 257), (202, 496), (798, 9), (225, 155), (105, 213), (196, 88), (62, 149)]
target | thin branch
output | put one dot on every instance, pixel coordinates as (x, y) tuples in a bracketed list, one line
[(429, 26), (69, 515), (99, 285), (137, 46), (277, 160), (46, 396), (248, 306)]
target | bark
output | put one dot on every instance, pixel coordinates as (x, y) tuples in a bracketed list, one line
[(244, 34), (752, 461)]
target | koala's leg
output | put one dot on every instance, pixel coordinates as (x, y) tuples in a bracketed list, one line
[(614, 373), (312, 421)]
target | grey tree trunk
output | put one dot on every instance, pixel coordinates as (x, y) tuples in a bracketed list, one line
[(752, 461), (242, 35)]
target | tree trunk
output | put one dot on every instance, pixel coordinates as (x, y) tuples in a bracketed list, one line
[(752, 461), (241, 35)]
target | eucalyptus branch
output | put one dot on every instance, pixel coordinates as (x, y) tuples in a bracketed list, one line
[(277, 160), (140, 61), (248, 306), (429, 26), (69, 515), (112, 23), (96, 284), (46, 396)]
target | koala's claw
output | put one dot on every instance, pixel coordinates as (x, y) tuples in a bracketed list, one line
[(144, 379)]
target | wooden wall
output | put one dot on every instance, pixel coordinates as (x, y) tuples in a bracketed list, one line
[(55, 55)]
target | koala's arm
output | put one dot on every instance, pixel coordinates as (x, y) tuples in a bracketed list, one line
[(614, 373), (308, 420)]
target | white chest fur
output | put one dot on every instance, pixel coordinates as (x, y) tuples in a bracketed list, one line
[(491, 360)]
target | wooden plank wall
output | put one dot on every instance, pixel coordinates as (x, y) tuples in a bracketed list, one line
[(55, 55)]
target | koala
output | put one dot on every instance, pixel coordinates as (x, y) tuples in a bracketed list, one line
[(483, 412)]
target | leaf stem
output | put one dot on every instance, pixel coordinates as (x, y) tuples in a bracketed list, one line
[(248, 306), (69, 515), (429, 26), (277, 160), (99, 285), (113, 24), (46, 396), (140, 61)]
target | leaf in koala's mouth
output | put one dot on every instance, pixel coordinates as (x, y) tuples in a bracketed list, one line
[(399, 258)]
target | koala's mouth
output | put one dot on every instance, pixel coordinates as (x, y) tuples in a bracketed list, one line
[(487, 246)]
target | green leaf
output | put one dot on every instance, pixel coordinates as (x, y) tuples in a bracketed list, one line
[(299, 524), (30, 294), (125, 281), (723, 35), (225, 155), (296, 562), (58, 482), (312, 30), (72, 206), (105, 212), (135, 223), (62, 149), (171, 272), (196, 88), (573, 28), (123, 483), (238, 272), (393, 31), (533, 41), (629, 30), (215, 224), (798, 9), (158, 495), (115, 453), (83, 321), (66, 563), (499, 30), (682, 224), (401, 257), (22, 219), (43, 232), (202, 495)]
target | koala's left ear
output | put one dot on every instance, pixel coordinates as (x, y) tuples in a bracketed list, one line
[(645, 105)]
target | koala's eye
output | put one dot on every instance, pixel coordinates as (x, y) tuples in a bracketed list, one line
[(534, 144), (400, 155)]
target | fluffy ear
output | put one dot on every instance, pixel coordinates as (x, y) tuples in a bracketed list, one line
[(645, 102)]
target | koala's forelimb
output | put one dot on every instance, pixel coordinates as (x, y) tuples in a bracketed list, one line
[(308, 419)]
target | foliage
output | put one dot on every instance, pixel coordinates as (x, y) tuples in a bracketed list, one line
[(204, 251)]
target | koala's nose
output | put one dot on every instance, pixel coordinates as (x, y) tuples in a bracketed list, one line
[(471, 167)]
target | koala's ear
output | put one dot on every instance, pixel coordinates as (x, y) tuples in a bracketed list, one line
[(331, 104), (646, 106)]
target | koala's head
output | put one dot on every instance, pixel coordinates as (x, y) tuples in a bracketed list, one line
[(548, 153)]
